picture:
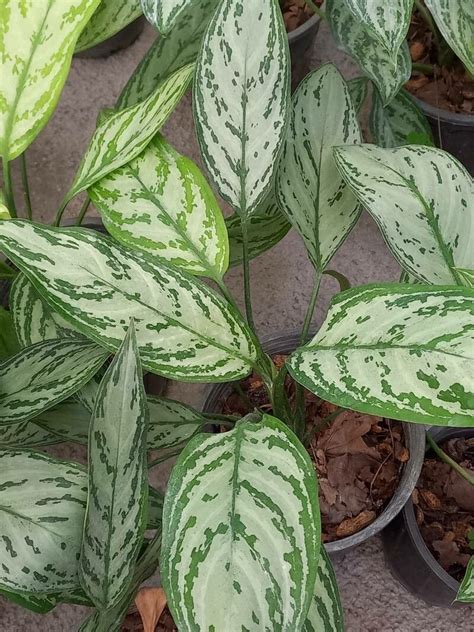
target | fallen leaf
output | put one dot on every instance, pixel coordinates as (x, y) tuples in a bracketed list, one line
[(344, 435), (150, 604), (352, 525)]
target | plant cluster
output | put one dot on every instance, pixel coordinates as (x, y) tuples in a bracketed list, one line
[(237, 537)]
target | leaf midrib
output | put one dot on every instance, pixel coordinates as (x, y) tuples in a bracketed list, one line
[(380, 346)]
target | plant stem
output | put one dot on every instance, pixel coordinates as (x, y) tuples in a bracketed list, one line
[(26, 187), (83, 211), (60, 212), (315, 9), (226, 293), (427, 69), (447, 459), (246, 267), (7, 185)]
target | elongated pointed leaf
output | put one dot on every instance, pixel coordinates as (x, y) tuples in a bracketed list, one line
[(44, 374), (241, 531), (125, 134), (466, 589), (69, 421), (399, 351), (160, 203), (26, 435), (421, 198), (9, 344), (110, 17), (388, 74), (34, 68), (325, 612), (401, 122), (387, 22), (455, 20), (117, 499), (310, 190), (265, 228), (466, 276), (167, 54), (240, 95), (171, 423), (155, 508), (164, 13), (42, 503), (184, 329), (358, 89)]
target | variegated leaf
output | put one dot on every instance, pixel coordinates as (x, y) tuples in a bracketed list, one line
[(421, 198), (455, 20), (325, 612), (466, 589), (164, 13), (241, 98), (241, 531), (155, 508), (123, 135), (184, 329), (466, 276), (310, 190), (9, 344), (401, 122), (388, 74), (67, 422), (117, 500), (110, 17), (160, 203), (172, 423), (42, 503), (168, 54), (36, 45), (387, 22), (44, 374), (400, 351), (265, 228), (358, 89), (34, 320), (26, 435)]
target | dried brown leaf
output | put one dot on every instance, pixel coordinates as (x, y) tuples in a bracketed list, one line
[(150, 604)]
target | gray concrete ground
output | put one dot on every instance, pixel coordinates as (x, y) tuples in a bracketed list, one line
[(282, 278)]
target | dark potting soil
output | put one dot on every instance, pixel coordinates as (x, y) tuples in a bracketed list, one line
[(295, 13), (358, 458), (450, 87), (133, 623), (444, 507)]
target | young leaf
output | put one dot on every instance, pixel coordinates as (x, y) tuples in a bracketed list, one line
[(265, 228), (358, 89), (34, 72), (110, 17), (421, 199), (400, 351), (455, 20), (168, 54), (9, 344), (115, 519), (184, 329), (44, 374), (466, 589), (325, 613), (42, 503), (164, 13), (241, 531), (387, 22), (26, 435), (388, 74), (160, 203), (240, 95), (125, 134), (401, 122), (310, 190)]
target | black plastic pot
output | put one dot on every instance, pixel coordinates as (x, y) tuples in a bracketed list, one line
[(119, 41), (407, 556), (300, 41), (286, 343), (452, 132)]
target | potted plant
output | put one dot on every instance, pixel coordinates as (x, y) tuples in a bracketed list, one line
[(237, 538)]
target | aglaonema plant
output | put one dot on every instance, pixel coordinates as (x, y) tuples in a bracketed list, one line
[(237, 538)]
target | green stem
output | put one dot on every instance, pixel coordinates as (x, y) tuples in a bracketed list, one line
[(226, 293), (426, 15), (83, 211), (246, 267), (315, 9), (427, 69), (26, 186), (60, 212), (8, 188), (447, 459)]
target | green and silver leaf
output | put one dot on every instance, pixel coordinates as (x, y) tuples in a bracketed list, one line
[(421, 199), (399, 351), (466, 276), (110, 17), (172, 423), (455, 20), (26, 435), (164, 13), (117, 500), (36, 45), (401, 122), (184, 329), (358, 89), (42, 503), (388, 74), (466, 589), (161, 203), (241, 531), (69, 421), (387, 22), (310, 190), (325, 612), (44, 374), (9, 343), (241, 92), (121, 136)]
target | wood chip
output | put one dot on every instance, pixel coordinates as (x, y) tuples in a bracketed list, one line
[(352, 525)]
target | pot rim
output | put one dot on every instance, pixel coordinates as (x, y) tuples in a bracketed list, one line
[(303, 29), (414, 434), (454, 118)]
